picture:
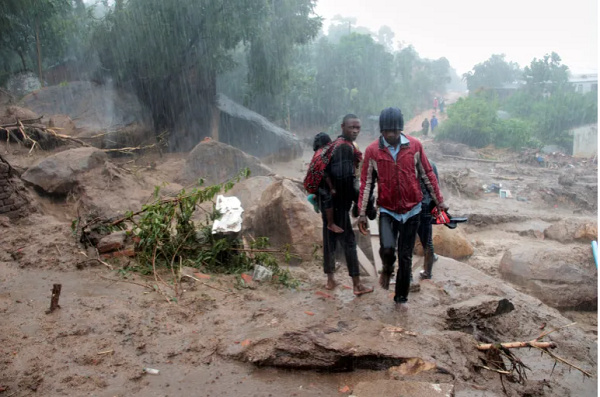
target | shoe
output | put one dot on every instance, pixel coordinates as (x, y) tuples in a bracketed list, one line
[(415, 287), (424, 276), (435, 257)]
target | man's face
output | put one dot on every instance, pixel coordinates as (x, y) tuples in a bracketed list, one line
[(392, 137), (351, 129)]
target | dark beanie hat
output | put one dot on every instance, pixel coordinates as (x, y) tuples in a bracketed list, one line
[(321, 139), (391, 119)]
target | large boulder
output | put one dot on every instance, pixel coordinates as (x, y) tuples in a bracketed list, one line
[(562, 277), (569, 230), (253, 133), (12, 113), (94, 107), (58, 173), (217, 162), (285, 216), (249, 191), (452, 243)]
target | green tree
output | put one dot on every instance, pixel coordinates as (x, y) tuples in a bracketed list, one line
[(30, 27), (546, 76), (472, 121), (171, 51), (493, 73)]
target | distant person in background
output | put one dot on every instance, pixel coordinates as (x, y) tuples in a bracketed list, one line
[(434, 123), (425, 126), (442, 104), (435, 105)]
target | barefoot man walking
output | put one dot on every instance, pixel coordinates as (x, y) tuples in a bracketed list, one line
[(342, 170)]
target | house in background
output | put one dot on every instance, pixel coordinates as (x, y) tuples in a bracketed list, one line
[(585, 83), (585, 141)]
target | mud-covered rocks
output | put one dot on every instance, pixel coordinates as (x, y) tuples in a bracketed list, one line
[(569, 230), (285, 216), (564, 278), (452, 243), (466, 313), (57, 174), (217, 162), (112, 242), (13, 201)]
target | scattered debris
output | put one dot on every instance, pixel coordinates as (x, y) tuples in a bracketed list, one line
[(261, 273), (54, 299)]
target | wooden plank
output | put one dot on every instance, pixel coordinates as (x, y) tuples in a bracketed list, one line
[(365, 263), (374, 227), (376, 257)]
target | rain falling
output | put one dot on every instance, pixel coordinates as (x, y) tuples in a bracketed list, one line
[(298, 198)]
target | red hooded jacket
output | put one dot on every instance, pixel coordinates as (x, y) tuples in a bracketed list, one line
[(398, 182)]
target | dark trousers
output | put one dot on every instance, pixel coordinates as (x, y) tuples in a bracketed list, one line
[(401, 236), (425, 231), (341, 218)]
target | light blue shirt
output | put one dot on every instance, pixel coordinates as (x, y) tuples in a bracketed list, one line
[(417, 208), (395, 150)]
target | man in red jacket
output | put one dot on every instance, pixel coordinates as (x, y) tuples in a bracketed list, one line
[(398, 164)]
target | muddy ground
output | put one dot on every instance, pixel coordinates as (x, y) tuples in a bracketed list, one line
[(223, 339)]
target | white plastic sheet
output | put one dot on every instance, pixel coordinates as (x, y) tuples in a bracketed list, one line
[(231, 220)]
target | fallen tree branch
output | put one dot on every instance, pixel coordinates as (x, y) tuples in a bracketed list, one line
[(555, 329), (129, 149), (562, 360), (127, 281), (203, 283), (473, 159), (517, 345)]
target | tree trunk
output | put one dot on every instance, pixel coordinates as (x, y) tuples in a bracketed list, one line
[(214, 122), (39, 53), (22, 60)]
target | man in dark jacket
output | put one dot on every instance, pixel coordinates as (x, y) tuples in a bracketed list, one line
[(342, 170), (425, 231), (397, 163)]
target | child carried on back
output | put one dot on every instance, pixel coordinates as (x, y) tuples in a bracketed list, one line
[(322, 199)]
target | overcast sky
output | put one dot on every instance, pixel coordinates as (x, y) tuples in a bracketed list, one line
[(468, 32)]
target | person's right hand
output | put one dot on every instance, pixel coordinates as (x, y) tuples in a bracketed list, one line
[(363, 225)]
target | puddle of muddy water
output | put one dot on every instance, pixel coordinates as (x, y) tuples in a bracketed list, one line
[(222, 378)]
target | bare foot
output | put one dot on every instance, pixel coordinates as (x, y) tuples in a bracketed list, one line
[(402, 307), (335, 228), (384, 280), (331, 284), (361, 289)]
